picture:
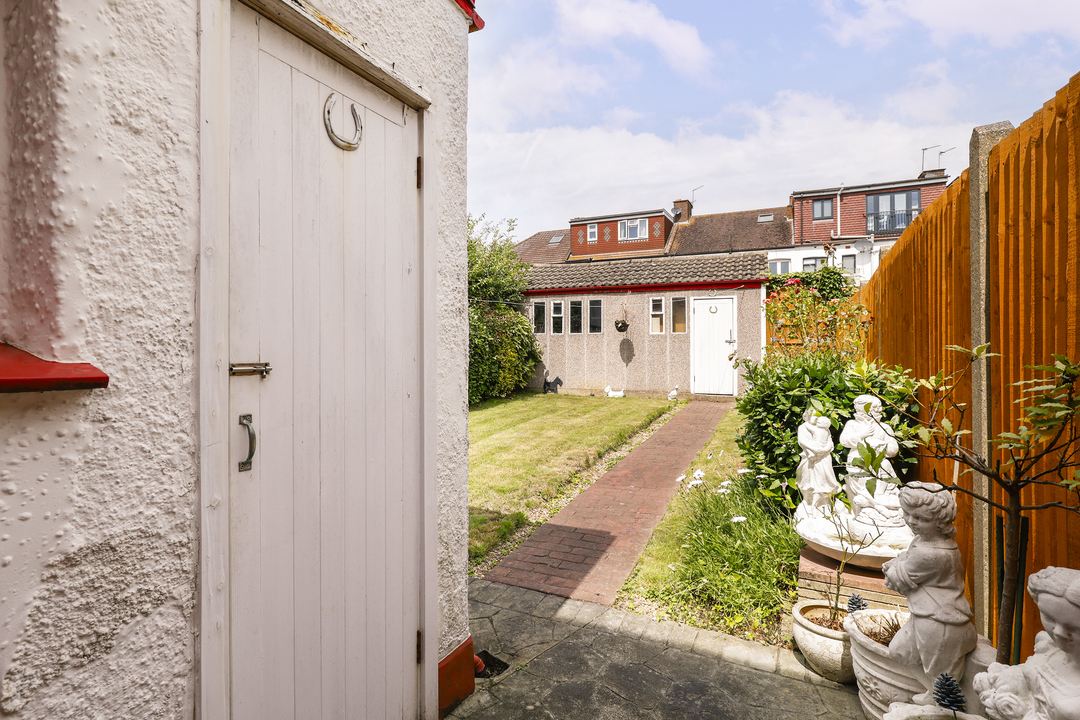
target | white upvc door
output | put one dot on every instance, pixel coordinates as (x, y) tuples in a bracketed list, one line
[(712, 341), (326, 527)]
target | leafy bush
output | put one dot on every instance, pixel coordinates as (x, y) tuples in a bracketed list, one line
[(802, 321), (777, 393), (831, 283), (503, 353), (739, 559)]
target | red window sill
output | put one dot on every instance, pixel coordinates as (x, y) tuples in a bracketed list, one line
[(22, 372)]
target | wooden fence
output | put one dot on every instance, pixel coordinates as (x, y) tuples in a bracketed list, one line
[(920, 300)]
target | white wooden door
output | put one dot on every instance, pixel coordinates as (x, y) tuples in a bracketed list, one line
[(712, 340), (324, 264)]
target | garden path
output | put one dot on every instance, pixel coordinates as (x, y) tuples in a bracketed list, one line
[(590, 547)]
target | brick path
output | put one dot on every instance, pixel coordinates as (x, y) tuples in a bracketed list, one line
[(589, 548)]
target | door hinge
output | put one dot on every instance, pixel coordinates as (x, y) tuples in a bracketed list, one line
[(419, 646), (419, 172)]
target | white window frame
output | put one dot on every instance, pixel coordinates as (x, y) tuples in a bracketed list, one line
[(556, 304), (600, 304), (777, 262), (581, 317), (854, 263), (654, 313), (542, 306), (590, 234), (641, 231), (820, 202), (819, 262), (686, 316)]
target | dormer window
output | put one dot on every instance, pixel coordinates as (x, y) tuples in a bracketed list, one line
[(630, 230)]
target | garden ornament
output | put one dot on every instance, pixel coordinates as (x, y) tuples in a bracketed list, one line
[(814, 476), (1047, 685), (930, 573)]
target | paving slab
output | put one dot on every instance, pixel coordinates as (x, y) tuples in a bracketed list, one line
[(626, 666)]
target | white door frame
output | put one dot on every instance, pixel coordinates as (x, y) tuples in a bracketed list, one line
[(693, 334), (212, 335)]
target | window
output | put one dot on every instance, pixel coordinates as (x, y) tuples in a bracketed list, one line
[(596, 316), (814, 263), (556, 238), (592, 234), (678, 315), (538, 318), (633, 230), (891, 211), (849, 263), (765, 217), (575, 317), (779, 267), (823, 209), (656, 321), (556, 317)]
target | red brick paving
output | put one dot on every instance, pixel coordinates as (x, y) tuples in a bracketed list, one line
[(588, 550)]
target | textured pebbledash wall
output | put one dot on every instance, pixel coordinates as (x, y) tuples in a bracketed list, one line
[(98, 236), (97, 584)]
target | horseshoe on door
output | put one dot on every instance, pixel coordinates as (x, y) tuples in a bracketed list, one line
[(334, 138)]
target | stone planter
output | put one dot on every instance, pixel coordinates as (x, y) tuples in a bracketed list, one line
[(827, 651), (882, 680)]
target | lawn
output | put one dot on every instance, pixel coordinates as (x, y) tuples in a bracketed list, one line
[(720, 558), (524, 450)]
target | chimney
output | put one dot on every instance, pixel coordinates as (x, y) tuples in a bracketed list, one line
[(939, 173), (684, 210)]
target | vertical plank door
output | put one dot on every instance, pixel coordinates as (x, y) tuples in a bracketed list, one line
[(325, 287), (712, 340)]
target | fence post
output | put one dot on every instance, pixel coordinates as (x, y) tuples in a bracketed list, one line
[(983, 139)]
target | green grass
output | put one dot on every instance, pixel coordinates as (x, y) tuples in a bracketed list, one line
[(704, 568), (525, 449)]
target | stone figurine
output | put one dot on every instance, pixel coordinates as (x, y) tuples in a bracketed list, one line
[(1047, 685), (930, 573), (814, 476), (866, 428)]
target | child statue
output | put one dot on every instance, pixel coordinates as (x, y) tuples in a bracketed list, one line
[(930, 573), (882, 507), (814, 476), (1047, 685)]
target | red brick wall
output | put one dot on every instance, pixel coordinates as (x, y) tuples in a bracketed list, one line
[(580, 246), (852, 214)]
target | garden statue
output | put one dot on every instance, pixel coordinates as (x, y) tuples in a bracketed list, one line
[(1047, 685), (930, 573), (876, 513), (814, 476)]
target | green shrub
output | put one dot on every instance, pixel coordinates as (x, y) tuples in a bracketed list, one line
[(831, 283), (777, 393), (739, 560), (503, 351)]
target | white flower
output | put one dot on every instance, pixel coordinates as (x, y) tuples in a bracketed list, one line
[(743, 471), (693, 483), (725, 483), (738, 518), (720, 455), (698, 474), (760, 477), (723, 491), (680, 478)]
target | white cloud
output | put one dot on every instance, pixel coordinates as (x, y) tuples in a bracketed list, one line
[(614, 22), (873, 23), (798, 141), (931, 97)]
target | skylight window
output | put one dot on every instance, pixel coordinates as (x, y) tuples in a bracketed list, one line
[(556, 239), (765, 217)]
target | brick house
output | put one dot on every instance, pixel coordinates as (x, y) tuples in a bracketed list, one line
[(853, 226), (689, 290)]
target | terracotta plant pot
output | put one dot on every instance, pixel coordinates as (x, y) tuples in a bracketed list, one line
[(882, 680), (827, 651)]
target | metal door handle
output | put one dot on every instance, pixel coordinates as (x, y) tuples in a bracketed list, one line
[(245, 464)]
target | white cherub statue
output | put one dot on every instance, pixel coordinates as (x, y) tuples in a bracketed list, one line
[(930, 573), (814, 476), (879, 510), (1047, 685)]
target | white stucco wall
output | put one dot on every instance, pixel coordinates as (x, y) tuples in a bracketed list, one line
[(99, 223), (428, 39)]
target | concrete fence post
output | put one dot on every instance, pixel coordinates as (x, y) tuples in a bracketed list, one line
[(983, 139)]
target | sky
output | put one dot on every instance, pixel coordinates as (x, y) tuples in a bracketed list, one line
[(594, 107)]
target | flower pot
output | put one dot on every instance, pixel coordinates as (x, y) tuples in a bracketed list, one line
[(827, 651), (882, 680)]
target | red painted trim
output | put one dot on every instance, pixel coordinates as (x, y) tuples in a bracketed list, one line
[(22, 372), (470, 11), (726, 285), (457, 678)]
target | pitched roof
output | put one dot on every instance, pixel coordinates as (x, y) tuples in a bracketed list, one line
[(538, 248), (649, 271), (734, 231)]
